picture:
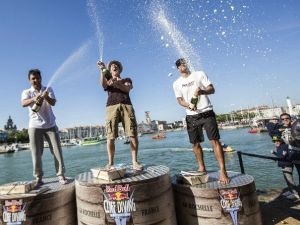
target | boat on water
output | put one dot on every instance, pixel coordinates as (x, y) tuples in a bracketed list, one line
[(255, 130), (258, 125), (225, 147), (159, 136), (228, 127), (127, 142), (92, 141), (6, 149), (228, 149)]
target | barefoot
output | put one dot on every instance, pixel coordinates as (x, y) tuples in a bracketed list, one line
[(202, 169), (223, 179)]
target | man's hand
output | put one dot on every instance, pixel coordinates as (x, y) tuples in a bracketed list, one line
[(127, 83), (197, 91), (101, 65), (272, 152), (45, 94), (39, 100), (110, 82), (192, 107)]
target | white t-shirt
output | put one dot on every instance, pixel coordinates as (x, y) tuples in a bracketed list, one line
[(185, 87), (44, 118)]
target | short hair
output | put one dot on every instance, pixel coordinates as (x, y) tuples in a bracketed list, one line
[(285, 114), (116, 63), (35, 72), (180, 61)]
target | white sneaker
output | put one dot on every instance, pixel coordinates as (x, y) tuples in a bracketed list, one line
[(287, 193), (293, 197)]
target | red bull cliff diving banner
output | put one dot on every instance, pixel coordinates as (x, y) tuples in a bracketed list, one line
[(119, 202), (231, 202), (14, 212)]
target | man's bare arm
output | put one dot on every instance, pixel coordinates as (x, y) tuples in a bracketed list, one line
[(123, 87), (206, 91), (183, 103), (102, 79), (50, 100), (28, 102)]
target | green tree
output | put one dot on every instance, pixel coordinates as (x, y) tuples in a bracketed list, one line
[(18, 136)]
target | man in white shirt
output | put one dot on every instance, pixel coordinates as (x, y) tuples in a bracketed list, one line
[(194, 87), (42, 125)]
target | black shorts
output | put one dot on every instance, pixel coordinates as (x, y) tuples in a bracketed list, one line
[(195, 124)]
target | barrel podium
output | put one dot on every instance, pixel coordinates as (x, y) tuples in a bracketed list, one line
[(213, 203), (54, 204), (144, 197)]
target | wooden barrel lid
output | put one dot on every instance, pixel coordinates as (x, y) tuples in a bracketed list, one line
[(236, 180), (50, 186), (150, 172)]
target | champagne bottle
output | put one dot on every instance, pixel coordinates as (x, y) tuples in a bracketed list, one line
[(106, 74), (193, 104), (37, 105)]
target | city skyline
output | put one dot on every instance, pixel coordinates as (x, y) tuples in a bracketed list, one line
[(253, 109), (248, 49)]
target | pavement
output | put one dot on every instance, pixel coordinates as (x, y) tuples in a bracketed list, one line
[(277, 209)]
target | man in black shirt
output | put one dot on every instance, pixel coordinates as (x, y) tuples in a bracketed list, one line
[(118, 109)]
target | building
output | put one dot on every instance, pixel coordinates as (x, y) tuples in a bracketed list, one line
[(3, 136), (178, 124), (161, 125), (82, 132), (147, 127), (297, 109), (9, 127)]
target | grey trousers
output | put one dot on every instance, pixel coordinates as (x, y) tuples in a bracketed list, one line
[(288, 176), (36, 137)]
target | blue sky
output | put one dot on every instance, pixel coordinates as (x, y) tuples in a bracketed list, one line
[(249, 49)]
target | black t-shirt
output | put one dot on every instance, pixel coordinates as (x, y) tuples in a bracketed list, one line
[(116, 96)]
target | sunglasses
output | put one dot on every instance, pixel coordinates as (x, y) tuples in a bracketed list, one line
[(286, 118)]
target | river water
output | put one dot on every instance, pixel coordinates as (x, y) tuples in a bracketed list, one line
[(174, 152)]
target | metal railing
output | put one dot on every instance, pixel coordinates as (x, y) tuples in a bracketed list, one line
[(239, 153)]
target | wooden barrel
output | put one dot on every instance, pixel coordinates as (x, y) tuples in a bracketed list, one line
[(56, 205), (138, 198), (212, 203)]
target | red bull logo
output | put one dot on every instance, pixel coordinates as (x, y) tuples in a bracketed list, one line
[(118, 203), (229, 193), (231, 202), (14, 208), (118, 196), (14, 212)]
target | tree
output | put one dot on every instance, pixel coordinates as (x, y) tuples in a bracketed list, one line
[(18, 136)]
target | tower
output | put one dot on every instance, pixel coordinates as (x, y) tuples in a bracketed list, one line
[(148, 119), (10, 125), (290, 106)]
